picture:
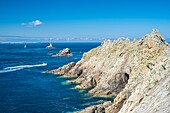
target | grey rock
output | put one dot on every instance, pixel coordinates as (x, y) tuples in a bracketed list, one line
[(136, 72), (64, 52), (62, 70)]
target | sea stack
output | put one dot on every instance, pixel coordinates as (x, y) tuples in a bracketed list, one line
[(64, 52), (135, 74), (50, 46)]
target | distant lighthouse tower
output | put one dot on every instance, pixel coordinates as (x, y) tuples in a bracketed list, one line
[(25, 46), (50, 46)]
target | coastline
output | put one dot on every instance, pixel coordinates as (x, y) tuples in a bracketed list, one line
[(128, 70)]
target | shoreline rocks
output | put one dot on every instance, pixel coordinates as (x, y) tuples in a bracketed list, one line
[(62, 70), (137, 73), (64, 52)]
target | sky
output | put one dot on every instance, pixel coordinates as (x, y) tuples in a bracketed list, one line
[(81, 20)]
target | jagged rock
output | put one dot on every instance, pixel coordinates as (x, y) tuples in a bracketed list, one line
[(62, 70), (93, 109), (137, 73), (145, 78), (97, 68), (96, 108), (64, 52)]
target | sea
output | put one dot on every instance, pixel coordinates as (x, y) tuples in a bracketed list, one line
[(26, 88)]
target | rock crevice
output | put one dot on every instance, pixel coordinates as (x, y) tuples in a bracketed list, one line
[(128, 70)]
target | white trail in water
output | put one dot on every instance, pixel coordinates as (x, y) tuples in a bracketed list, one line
[(15, 68)]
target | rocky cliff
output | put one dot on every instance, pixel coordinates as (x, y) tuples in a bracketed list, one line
[(137, 73)]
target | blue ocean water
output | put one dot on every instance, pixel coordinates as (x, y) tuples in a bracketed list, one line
[(24, 88)]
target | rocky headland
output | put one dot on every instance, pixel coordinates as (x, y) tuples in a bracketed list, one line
[(137, 73)]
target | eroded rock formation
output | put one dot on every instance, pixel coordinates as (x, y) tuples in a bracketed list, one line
[(137, 73), (64, 52), (63, 70)]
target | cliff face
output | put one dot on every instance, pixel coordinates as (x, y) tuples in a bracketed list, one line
[(137, 73)]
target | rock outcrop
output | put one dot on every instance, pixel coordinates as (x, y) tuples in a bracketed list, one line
[(64, 52), (97, 108), (137, 73), (63, 70)]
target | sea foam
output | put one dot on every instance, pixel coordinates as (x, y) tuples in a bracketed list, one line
[(16, 68)]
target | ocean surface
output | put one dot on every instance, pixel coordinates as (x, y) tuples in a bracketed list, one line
[(25, 88)]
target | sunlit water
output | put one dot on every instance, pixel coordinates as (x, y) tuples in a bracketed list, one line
[(25, 88)]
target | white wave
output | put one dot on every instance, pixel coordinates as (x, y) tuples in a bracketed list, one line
[(10, 70), (76, 58), (49, 53), (15, 68)]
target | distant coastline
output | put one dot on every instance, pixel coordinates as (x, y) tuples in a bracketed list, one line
[(49, 42)]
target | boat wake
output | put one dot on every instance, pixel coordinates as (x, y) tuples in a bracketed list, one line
[(15, 68)]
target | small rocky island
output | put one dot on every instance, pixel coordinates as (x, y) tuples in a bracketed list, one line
[(137, 73), (64, 52)]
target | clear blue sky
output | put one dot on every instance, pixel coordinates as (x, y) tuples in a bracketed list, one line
[(82, 19)]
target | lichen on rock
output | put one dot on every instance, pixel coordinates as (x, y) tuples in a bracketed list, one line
[(132, 71)]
